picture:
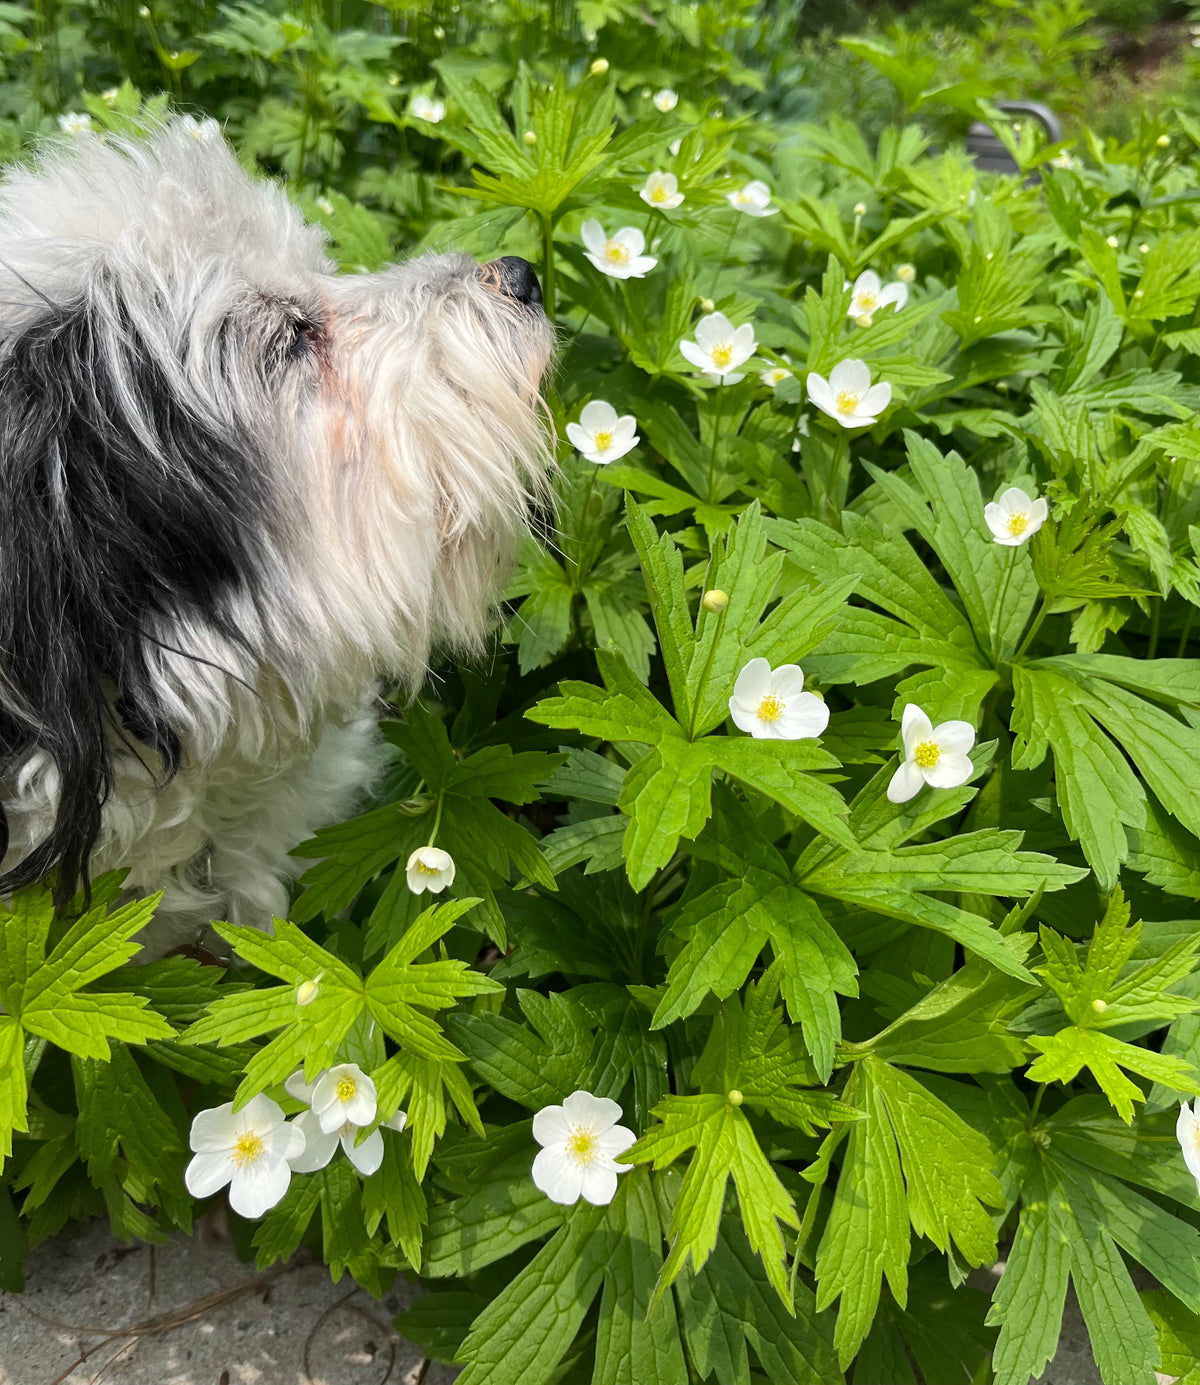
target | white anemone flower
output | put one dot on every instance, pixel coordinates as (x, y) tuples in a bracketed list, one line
[(775, 375), (772, 705), (848, 394), (754, 199), (1187, 1132), (1015, 517), (248, 1149), (933, 755), (580, 1141), (351, 1094), (720, 348), (619, 255), (601, 435), (74, 123), (666, 99), (429, 868), (424, 108), (661, 190), (869, 295), (1063, 160)]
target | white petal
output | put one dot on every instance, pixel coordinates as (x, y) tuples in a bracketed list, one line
[(624, 428), (641, 266), (1187, 1132), (598, 1185), (746, 718), (397, 1121), (713, 328), (599, 262), (207, 1172), (915, 726), (214, 1129), (905, 783), (952, 769), (1038, 513), (367, 1156), (550, 1126), (853, 376), (743, 344), (759, 191), (558, 1176), (318, 1146), (297, 1087), (598, 416), (592, 235), (632, 239), (787, 681), (958, 736), (994, 518), (806, 716), (598, 1112), (876, 399), (1015, 501), (753, 684), (894, 293), (258, 1187), (578, 438), (618, 448), (696, 355), (616, 1140), (820, 393), (867, 282)]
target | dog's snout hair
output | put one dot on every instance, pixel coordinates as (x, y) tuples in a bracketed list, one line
[(236, 490)]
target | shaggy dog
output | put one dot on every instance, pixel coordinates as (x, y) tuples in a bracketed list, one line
[(236, 490)]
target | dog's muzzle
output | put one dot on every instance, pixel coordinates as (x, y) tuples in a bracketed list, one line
[(513, 277)]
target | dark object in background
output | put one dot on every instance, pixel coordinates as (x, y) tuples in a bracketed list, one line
[(983, 144)]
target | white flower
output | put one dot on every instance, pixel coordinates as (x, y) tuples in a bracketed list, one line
[(848, 394), (720, 348), (753, 199), (1015, 517), (773, 376), (248, 1149), (323, 204), (110, 96), (601, 435), (342, 1094), (772, 705), (933, 755), (1187, 1132), (74, 123), (423, 108), (580, 1141), (620, 255), (868, 295), (429, 868), (200, 129), (661, 190), (675, 146), (666, 100), (1063, 160)]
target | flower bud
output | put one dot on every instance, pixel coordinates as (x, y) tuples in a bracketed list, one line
[(906, 273), (707, 304), (715, 600), (599, 67), (439, 32), (1099, 1006), (1162, 141), (393, 79), (1143, 249), (860, 209), (306, 992), (1112, 242), (735, 1098), (530, 138), (863, 320), (143, 12)]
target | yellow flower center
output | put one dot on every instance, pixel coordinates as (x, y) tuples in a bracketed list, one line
[(616, 252), (847, 401), (866, 302), (659, 194), (346, 1088), (1018, 523), (771, 708), (722, 353), (583, 1147), (247, 1149), (927, 754), (603, 441), (744, 199), (425, 868)]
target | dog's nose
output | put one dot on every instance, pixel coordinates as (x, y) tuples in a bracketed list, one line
[(515, 277)]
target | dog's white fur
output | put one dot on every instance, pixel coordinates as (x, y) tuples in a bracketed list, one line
[(401, 454)]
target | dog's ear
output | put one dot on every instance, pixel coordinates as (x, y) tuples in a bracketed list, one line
[(125, 515)]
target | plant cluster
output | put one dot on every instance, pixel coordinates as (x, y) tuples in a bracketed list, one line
[(791, 918)]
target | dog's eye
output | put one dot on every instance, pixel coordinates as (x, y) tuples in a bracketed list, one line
[(300, 339)]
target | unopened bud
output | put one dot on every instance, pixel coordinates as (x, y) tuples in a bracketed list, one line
[(143, 12), (860, 209), (530, 138), (715, 600), (306, 992), (906, 273), (735, 1098), (599, 67), (863, 320), (1099, 1006), (1143, 249), (1162, 141), (707, 304), (393, 79), (438, 32), (1112, 242)]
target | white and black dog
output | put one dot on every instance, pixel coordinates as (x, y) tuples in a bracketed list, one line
[(236, 490)]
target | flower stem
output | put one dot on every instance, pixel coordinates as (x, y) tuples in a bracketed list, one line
[(712, 456), (724, 255), (437, 820), (702, 686), (998, 609), (1042, 613), (1187, 630)]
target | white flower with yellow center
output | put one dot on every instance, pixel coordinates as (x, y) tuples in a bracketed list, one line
[(248, 1149), (661, 190), (869, 295), (342, 1093), (580, 1142), (773, 376), (1187, 1132), (666, 99), (601, 435), (425, 108), (720, 348), (75, 123), (619, 255), (754, 199), (848, 394), (772, 705), (429, 868), (1063, 160), (1015, 517), (933, 755)]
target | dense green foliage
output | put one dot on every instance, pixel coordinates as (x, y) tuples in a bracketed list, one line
[(866, 1047)]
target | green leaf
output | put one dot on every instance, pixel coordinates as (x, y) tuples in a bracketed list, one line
[(1065, 1053)]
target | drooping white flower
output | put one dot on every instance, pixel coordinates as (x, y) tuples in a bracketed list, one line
[(429, 868), (619, 255), (74, 123), (720, 347), (754, 199), (933, 755), (601, 435), (200, 130), (666, 99), (342, 1091), (1015, 517), (772, 705), (580, 1141), (869, 295), (248, 1149), (425, 108), (661, 190), (1187, 1132), (848, 394)]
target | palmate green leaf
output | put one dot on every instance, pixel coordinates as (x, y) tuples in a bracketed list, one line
[(394, 1191), (1105, 1057), (667, 795), (12, 1084)]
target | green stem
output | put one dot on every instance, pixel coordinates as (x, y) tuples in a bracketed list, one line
[(1037, 1104), (1033, 629), (437, 820), (725, 254), (1155, 616), (548, 279), (998, 609), (708, 663), (712, 458), (1187, 630)]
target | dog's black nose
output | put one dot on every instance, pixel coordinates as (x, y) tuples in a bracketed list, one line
[(515, 277)]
